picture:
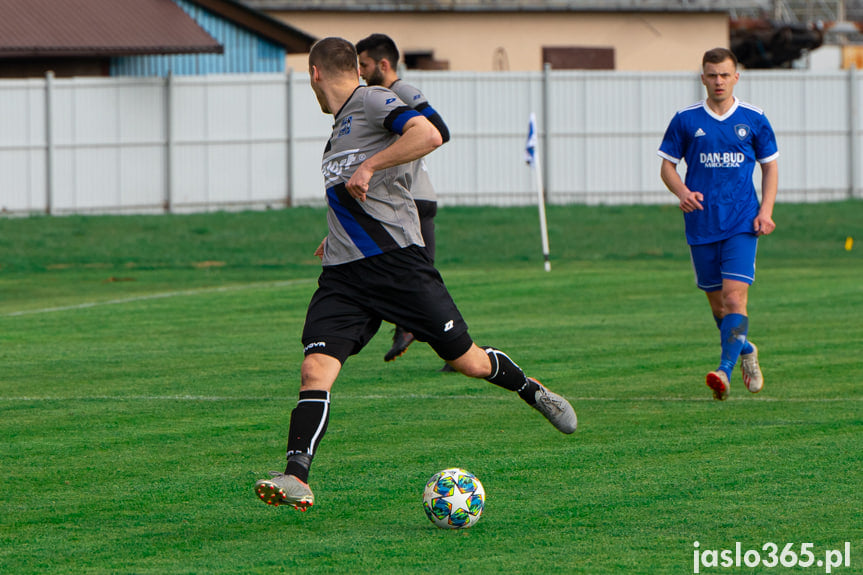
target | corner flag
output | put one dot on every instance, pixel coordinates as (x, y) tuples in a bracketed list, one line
[(531, 156), (530, 147)]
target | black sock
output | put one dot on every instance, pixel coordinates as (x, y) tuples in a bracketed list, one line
[(308, 424), (506, 374), (298, 465)]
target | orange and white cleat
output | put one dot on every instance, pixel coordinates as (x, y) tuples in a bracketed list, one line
[(718, 382), (285, 490), (752, 377)]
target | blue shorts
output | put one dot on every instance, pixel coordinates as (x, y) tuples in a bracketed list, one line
[(731, 259)]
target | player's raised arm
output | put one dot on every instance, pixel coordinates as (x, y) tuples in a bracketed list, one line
[(419, 137)]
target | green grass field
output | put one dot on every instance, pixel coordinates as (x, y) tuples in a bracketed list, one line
[(150, 364)]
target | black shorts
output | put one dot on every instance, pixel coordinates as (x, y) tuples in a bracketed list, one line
[(399, 286)]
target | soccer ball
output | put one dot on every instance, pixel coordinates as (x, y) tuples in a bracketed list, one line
[(454, 499)]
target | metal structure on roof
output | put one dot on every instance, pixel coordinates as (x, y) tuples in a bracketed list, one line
[(800, 11), (508, 5)]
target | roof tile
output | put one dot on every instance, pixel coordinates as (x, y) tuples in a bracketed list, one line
[(42, 28)]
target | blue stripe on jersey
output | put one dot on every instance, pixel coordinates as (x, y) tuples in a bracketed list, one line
[(399, 117), (426, 110), (358, 235)]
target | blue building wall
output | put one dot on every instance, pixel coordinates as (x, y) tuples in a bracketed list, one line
[(244, 52)]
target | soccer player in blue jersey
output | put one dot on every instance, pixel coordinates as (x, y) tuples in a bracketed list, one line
[(375, 266), (379, 57), (721, 139)]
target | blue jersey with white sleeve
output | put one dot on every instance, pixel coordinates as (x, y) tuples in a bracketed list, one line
[(720, 154)]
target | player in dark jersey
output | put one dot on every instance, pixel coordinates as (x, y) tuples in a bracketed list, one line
[(374, 264), (379, 57), (721, 139)]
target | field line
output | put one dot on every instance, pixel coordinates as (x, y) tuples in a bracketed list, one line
[(161, 295), (378, 397)]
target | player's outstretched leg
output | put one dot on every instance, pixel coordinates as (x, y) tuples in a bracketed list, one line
[(401, 340), (506, 374), (308, 425)]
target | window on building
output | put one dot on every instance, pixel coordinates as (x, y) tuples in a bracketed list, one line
[(424, 61), (578, 58)]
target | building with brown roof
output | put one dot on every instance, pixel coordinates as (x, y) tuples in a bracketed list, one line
[(141, 37), (521, 35)]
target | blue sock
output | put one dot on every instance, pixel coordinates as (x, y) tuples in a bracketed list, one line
[(733, 332), (747, 347)]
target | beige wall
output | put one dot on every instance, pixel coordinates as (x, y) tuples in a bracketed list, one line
[(642, 41)]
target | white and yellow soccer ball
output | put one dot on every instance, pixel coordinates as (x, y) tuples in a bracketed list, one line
[(454, 499)]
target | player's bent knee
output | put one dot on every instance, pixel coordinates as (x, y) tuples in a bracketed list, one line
[(473, 363), (319, 372)]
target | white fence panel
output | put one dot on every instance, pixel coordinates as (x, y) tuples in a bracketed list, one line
[(254, 141), (487, 115), (310, 128), (811, 117), (108, 144), (22, 146), (229, 142)]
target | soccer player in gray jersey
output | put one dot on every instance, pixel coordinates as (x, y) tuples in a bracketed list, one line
[(374, 264), (379, 57)]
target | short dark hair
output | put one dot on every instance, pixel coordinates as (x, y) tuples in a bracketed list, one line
[(717, 56), (333, 55), (379, 46)]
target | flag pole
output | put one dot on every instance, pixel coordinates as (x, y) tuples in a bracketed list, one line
[(532, 157)]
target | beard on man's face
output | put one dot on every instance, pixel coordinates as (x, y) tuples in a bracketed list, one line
[(376, 78)]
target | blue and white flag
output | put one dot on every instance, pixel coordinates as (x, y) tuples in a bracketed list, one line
[(530, 147), (531, 156)]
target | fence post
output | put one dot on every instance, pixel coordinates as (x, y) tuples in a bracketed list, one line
[(289, 135), (49, 143), (852, 131), (168, 199), (546, 137)]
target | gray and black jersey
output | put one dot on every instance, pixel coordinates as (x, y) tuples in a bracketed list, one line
[(410, 95), (372, 119)]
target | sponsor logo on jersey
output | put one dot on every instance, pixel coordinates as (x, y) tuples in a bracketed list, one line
[(721, 159), (345, 128), (390, 101), (742, 131), (337, 164), (699, 132), (449, 325)]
